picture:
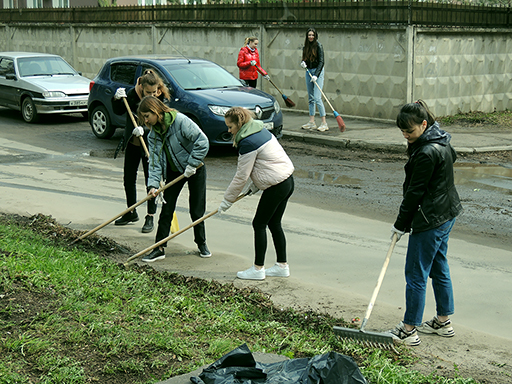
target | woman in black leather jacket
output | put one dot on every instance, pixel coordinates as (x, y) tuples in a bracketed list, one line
[(428, 210)]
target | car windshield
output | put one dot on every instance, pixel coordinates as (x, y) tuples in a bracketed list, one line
[(202, 75), (44, 66)]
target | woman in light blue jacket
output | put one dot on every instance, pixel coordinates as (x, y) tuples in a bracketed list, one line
[(176, 146)]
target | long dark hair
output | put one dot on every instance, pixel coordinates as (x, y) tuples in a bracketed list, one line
[(310, 51), (414, 114)]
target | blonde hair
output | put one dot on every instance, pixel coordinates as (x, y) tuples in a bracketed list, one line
[(239, 116), (151, 78), (250, 40), (151, 104)]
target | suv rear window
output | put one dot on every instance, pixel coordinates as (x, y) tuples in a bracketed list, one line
[(123, 73)]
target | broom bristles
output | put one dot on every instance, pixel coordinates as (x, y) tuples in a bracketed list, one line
[(341, 123), (288, 102), (339, 120)]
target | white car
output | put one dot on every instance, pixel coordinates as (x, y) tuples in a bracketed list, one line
[(41, 83)]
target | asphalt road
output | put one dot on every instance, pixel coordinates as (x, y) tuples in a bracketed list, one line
[(59, 168)]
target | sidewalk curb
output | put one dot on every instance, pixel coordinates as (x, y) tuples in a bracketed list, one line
[(376, 145), (344, 143)]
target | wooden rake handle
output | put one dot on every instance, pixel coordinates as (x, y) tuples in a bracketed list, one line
[(129, 111), (200, 220), (148, 197), (379, 281), (322, 92)]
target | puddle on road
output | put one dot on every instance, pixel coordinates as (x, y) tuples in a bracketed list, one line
[(326, 177), (484, 176)]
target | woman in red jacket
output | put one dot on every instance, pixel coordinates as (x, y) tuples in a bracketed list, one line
[(248, 60)]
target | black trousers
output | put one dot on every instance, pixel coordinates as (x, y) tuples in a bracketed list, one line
[(269, 214), (196, 202), (251, 83), (133, 155)]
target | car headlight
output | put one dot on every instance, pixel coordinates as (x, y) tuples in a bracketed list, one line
[(218, 110), (277, 107), (53, 94)]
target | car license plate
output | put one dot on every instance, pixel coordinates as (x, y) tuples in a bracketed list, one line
[(269, 126), (75, 103)]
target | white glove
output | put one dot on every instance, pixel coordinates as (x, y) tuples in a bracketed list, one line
[(303, 64), (266, 77), (224, 206), (120, 93), (313, 79), (253, 62), (250, 189), (399, 234), (189, 171), (138, 131)]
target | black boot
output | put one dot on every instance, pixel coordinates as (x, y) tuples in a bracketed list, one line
[(148, 224), (130, 217)]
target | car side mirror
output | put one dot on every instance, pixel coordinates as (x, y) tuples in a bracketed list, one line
[(244, 82), (11, 77)]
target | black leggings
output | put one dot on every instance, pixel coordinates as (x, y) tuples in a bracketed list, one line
[(269, 214), (132, 158)]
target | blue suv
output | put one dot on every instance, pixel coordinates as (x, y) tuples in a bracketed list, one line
[(199, 88)]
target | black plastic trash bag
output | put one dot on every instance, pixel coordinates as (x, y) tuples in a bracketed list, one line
[(239, 366)]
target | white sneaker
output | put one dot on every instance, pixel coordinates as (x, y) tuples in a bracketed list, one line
[(251, 274), (401, 335), (277, 271), (435, 326), (310, 125), (323, 127)]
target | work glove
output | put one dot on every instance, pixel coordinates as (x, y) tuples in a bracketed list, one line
[(399, 233), (303, 64), (253, 62), (138, 131), (224, 206), (189, 171), (266, 77), (250, 189), (120, 93), (313, 79)]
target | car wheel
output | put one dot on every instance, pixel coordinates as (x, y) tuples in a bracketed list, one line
[(29, 111), (100, 123)]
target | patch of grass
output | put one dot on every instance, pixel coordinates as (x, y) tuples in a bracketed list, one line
[(502, 118), (72, 316)]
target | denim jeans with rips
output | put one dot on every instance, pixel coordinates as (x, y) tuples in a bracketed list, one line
[(426, 257)]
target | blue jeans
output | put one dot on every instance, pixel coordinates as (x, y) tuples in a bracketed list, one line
[(314, 94), (426, 257)]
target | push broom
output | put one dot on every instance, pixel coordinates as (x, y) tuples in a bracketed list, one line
[(339, 119), (286, 99), (157, 244), (374, 339)]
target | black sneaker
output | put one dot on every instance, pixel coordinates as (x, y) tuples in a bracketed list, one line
[(148, 224), (155, 255), (204, 251), (130, 217)]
